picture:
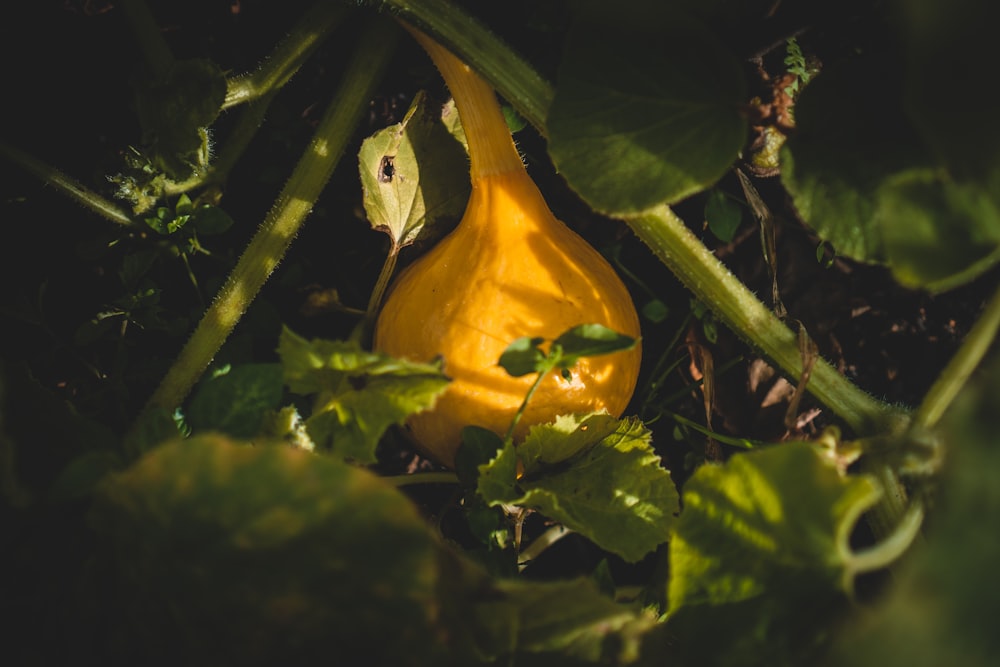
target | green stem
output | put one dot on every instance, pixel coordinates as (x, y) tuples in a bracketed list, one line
[(69, 187), (155, 50), (713, 284), (300, 43), (524, 404), (249, 122), (508, 73), (975, 346), (888, 550), (381, 285), (540, 544), (269, 244)]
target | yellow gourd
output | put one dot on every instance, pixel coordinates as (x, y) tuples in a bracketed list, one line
[(509, 269)]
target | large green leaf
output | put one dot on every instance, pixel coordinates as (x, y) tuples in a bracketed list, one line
[(842, 153), (646, 109), (358, 394), (223, 553), (883, 190), (760, 560), (595, 474), (762, 520)]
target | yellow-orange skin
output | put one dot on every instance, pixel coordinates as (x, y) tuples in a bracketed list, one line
[(509, 269)]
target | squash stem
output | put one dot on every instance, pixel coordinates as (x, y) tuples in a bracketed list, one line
[(283, 222), (475, 44), (491, 147)]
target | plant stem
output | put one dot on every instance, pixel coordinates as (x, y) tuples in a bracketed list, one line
[(155, 51), (300, 43), (474, 44), (894, 545), (524, 404), (491, 147), (269, 244), (68, 186), (975, 346), (713, 284), (540, 544)]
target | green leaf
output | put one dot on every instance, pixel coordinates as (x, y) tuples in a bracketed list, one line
[(567, 619), (479, 446), (236, 402), (595, 474), (938, 234), (590, 340), (723, 215), (630, 128), (523, 356), (176, 110), (867, 182), (762, 548), (842, 154), (765, 519), (413, 174), (209, 220), (953, 41), (359, 394), (234, 554)]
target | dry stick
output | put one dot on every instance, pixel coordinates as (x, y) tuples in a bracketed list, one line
[(268, 246)]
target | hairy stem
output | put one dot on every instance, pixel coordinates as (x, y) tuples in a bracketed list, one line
[(269, 244), (67, 186), (300, 43), (713, 284)]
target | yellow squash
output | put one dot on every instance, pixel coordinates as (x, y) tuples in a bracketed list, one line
[(509, 269)]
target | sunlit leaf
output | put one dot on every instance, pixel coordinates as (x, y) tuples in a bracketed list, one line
[(523, 356), (358, 394), (764, 518), (762, 546), (595, 474), (630, 128), (413, 174), (590, 340)]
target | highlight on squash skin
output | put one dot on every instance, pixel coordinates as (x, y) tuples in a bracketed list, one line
[(509, 269)]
